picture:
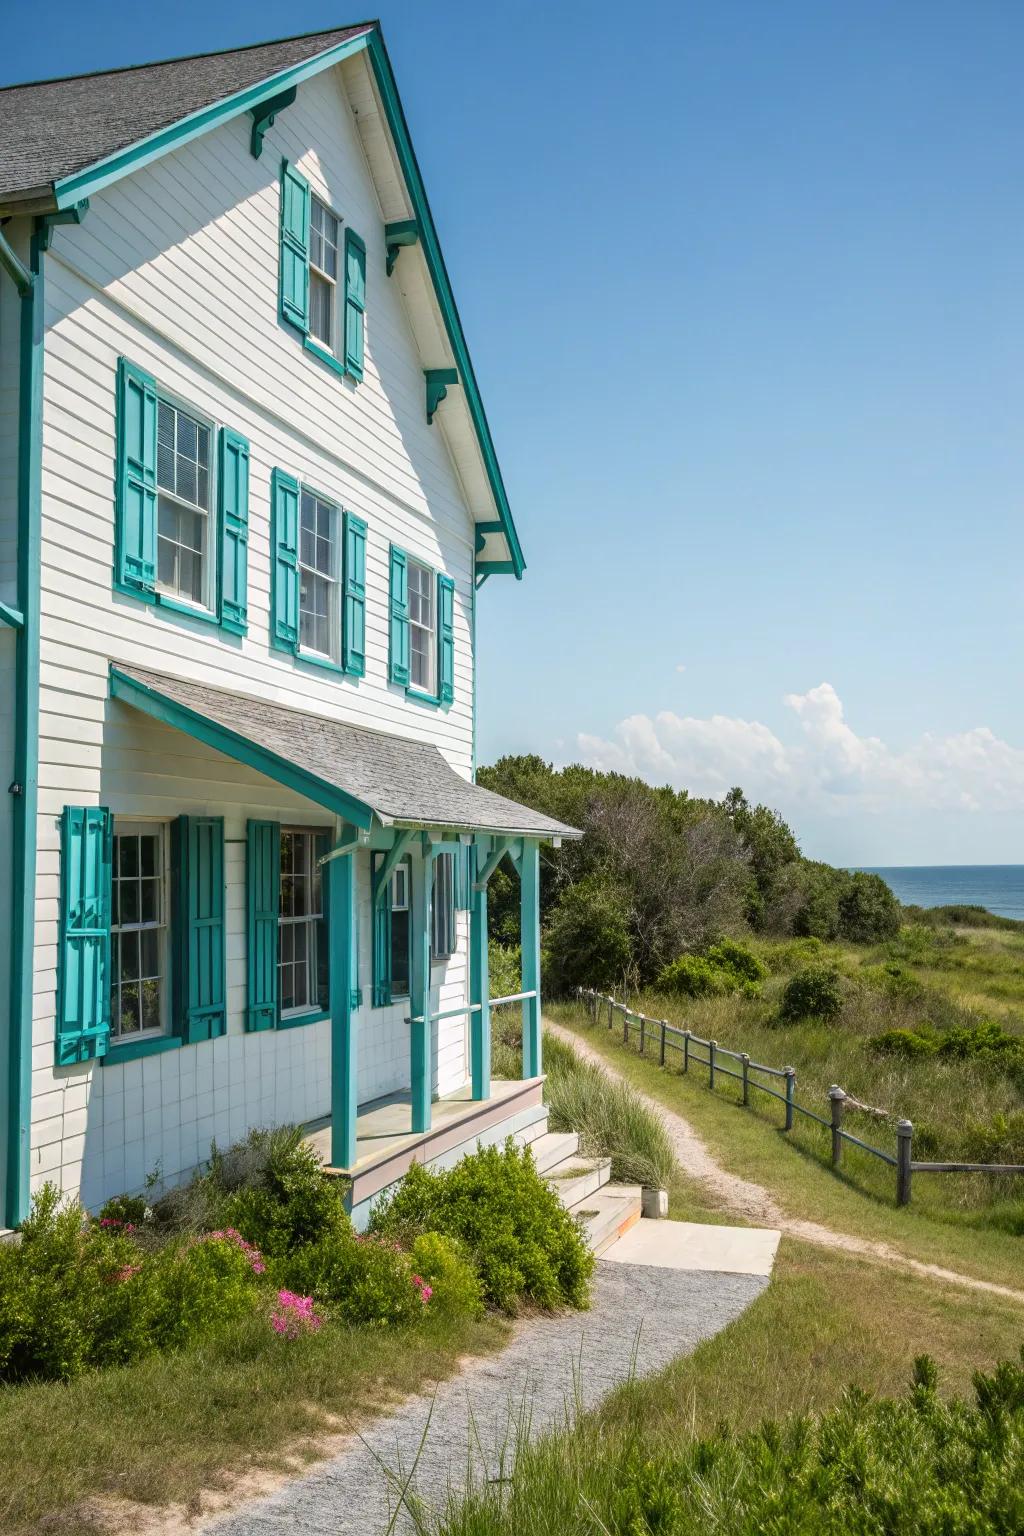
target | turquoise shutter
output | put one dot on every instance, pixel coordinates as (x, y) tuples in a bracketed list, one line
[(200, 1003), (262, 907), (284, 561), (83, 946), (354, 609), (233, 477), (445, 639), (381, 939), (355, 302), (294, 247), (398, 671), (464, 878), (135, 557)]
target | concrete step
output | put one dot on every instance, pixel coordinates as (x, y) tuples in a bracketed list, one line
[(608, 1213), (533, 1132), (554, 1147), (579, 1177)]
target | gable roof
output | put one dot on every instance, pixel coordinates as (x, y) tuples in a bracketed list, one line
[(53, 128), (67, 139)]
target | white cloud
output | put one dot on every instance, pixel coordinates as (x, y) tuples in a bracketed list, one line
[(680, 666), (827, 767)]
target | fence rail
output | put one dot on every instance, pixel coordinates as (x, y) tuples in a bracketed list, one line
[(671, 1037)]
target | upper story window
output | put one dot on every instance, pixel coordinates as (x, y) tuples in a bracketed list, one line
[(138, 931), (182, 505), (422, 627), (319, 587), (185, 558), (323, 273)]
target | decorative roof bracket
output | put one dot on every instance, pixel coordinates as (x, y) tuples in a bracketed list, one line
[(48, 221), (402, 232), (263, 117), (438, 380)]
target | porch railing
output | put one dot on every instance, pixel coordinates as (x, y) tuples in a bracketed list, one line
[(457, 1013)]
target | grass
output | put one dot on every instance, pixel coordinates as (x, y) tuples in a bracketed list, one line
[(825, 1321), (749, 1143), (162, 1431)]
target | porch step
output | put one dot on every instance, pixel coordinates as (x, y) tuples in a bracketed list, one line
[(554, 1147), (579, 1177), (609, 1213)]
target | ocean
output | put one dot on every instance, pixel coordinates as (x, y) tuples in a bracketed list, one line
[(999, 887)]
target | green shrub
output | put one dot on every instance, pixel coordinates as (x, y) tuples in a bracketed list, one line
[(526, 1246), (905, 1044), (868, 910), (196, 1287), (792, 954), (987, 1041), (446, 1267), (894, 980), (694, 976), (730, 955), (999, 1140), (587, 941), (366, 1280), (815, 992), (131, 1211)]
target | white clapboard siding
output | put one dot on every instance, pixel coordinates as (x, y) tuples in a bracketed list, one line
[(176, 268)]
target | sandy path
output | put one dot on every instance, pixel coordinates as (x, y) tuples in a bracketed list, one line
[(758, 1205)]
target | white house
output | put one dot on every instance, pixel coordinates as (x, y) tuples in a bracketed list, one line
[(248, 497)]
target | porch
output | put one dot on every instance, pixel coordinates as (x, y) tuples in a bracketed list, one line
[(386, 1147)]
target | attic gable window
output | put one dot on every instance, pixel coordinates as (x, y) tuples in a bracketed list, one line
[(323, 273)]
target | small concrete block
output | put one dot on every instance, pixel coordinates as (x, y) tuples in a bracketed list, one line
[(654, 1204), (692, 1245)]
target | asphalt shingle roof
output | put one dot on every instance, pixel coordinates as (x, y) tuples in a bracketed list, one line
[(399, 779), (54, 128)]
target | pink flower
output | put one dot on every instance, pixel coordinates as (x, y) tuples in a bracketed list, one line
[(125, 1273), (294, 1315), (232, 1235), (425, 1290)]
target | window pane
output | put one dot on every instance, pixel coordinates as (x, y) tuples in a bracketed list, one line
[(151, 1005), (150, 912), (400, 954), (150, 855), (149, 952), (129, 901), (129, 1013), (128, 855), (321, 308)]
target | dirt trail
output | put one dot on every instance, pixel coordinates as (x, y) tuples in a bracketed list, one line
[(757, 1205)]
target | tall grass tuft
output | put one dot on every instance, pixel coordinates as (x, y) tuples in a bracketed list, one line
[(612, 1119)]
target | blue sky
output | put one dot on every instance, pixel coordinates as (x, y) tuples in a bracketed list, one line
[(744, 286)]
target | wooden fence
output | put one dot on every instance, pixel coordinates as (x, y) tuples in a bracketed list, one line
[(750, 1074)]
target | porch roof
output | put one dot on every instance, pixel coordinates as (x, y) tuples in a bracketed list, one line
[(358, 773)]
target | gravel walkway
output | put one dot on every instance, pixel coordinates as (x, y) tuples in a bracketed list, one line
[(640, 1319)]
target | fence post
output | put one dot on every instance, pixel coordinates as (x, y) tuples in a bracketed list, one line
[(643, 1033), (904, 1168), (745, 1059), (611, 1012), (790, 1093), (712, 1046), (837, 1098), (686, 1050), (661, 1048), (625, 1025)]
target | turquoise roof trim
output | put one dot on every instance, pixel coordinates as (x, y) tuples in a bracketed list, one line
[(72, 189)]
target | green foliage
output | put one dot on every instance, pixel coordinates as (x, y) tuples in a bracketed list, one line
[(815, 992), (505, 968), (894, 980), (130, 1210), (445, 1265), (792, 955), (727, 966), (587, 941), (526, 1246), (964, 916), (271, 1187), (987, 1041), (612, 1119), (76, 1294), (365, 1280), (840, 904), (998, 1140), (905, 1044), (874, 1466)]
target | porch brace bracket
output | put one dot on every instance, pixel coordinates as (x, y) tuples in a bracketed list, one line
[(48, 221), (387, 869), (504, 845), (361, 840), (11, 616), (263, 118), (401, 232), (438, 381)]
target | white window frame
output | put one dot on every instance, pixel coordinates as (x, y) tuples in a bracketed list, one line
[(334, 577), (334, 282), (443, 942), (128, 827), (212, 553), (310, 920), (430, 686)]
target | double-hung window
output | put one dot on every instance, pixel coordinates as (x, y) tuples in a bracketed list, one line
[(323, 274), (302, 955), (401, 932), (184, 547), (319, 568), (138, 931), (422, 627), (442, 916)]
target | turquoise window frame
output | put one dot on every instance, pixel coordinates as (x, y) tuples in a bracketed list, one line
[(377, 981)]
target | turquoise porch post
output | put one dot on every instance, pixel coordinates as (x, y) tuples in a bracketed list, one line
[(529, 925), (419, 998), (341, 913), (479, 985)]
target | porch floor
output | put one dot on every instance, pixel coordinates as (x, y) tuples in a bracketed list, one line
[(386, 1146)]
